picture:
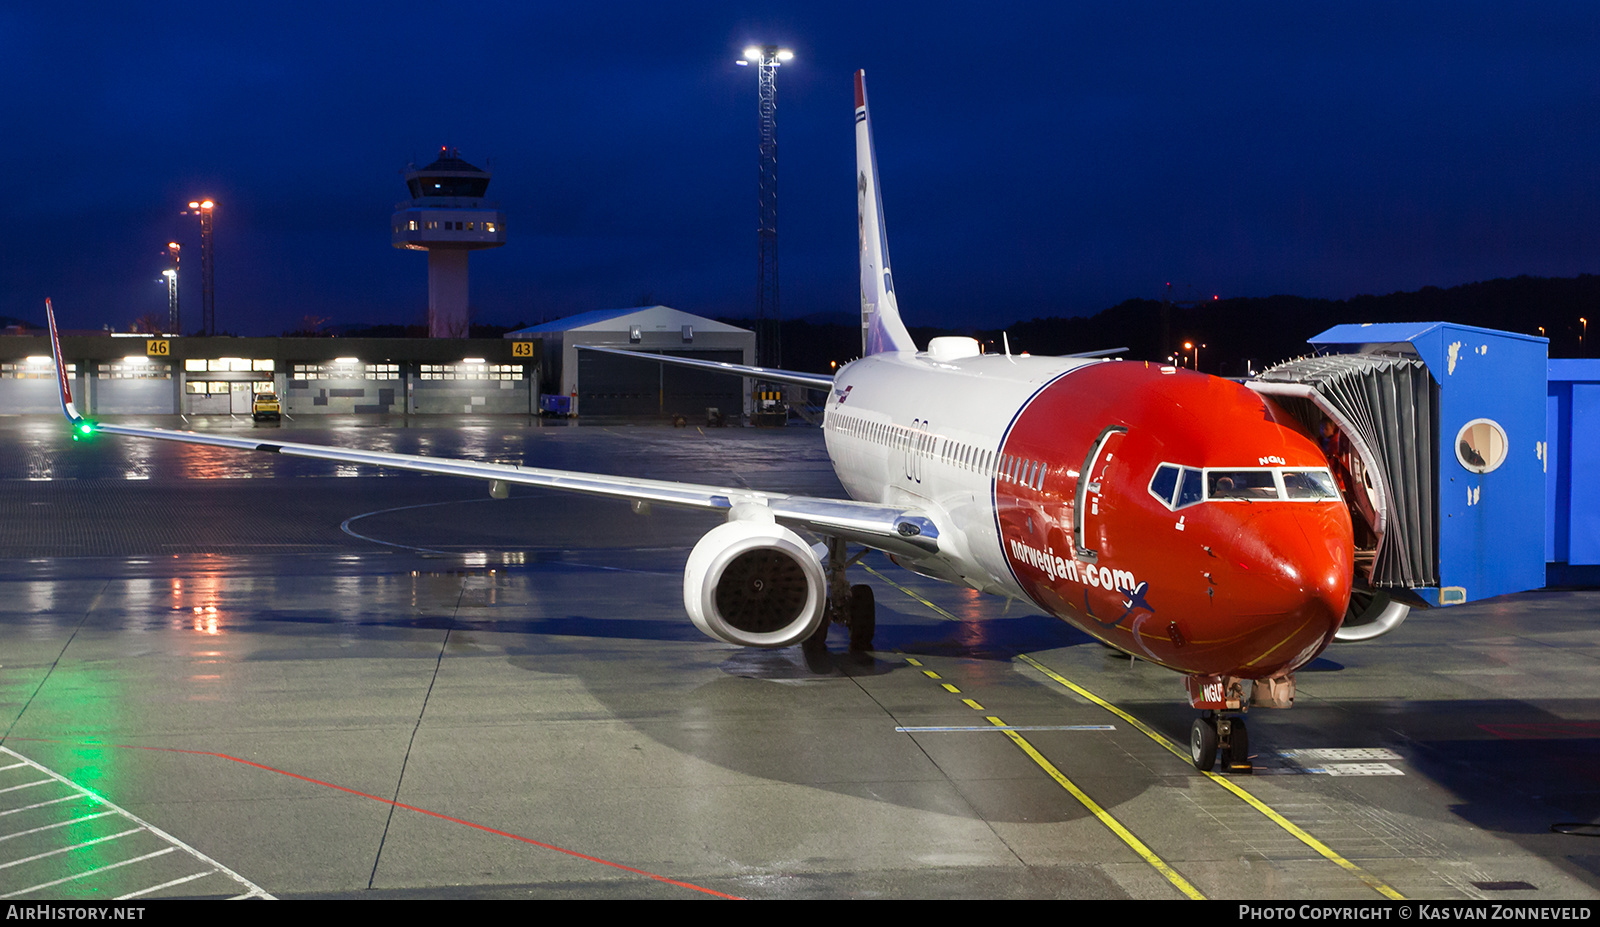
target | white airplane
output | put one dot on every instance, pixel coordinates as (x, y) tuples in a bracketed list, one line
[(1181, 518)]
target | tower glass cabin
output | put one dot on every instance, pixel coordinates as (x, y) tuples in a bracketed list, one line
[(448, 218)]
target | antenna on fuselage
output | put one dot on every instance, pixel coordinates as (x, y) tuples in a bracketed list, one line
[(1006, 340)]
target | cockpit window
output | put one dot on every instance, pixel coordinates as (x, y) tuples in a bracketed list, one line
[(1164, 483), (1189, 492), (1240, 484), (1178, 486), (1309, 484)]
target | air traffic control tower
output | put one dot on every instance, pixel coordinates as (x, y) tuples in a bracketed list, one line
[(448, 218)]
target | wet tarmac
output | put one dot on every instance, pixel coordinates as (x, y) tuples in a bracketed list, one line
[(229, 674)]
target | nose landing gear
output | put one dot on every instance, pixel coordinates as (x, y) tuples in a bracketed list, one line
[(1220, 733), (1220, 729)]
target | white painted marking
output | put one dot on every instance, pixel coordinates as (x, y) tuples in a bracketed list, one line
[(87, 817), (59, 850), (1342, 754), (126, 862), (25, 785), (1359, 769), (53, 801), (12, 766), (253, 890), (990, 727), (157, 888)]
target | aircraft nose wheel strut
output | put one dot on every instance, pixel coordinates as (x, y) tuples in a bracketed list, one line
[(1224, 733)]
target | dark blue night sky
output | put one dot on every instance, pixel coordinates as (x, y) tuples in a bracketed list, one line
[(1048, 159)]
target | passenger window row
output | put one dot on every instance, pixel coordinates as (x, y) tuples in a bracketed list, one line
[(1005, 467)]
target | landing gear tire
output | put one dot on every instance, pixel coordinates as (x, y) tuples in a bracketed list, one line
[(818, 641), (863, 617), (1203, 743), (1238, 748)]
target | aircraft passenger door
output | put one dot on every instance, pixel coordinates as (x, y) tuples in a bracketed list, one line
[(1093, 483)]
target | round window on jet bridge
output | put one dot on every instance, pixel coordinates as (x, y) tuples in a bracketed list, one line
[(1481, 445)]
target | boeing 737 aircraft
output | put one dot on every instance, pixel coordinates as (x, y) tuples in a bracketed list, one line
[(1178, 517)]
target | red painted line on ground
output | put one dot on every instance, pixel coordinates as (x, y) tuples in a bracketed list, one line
[(1544, 730), (433, 814)]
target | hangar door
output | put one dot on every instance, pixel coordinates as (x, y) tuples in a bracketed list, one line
[(613, 385)]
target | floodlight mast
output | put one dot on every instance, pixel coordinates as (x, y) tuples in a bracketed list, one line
[(174, 316), (208, 294), (767, 59)]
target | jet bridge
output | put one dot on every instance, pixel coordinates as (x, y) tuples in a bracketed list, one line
[(1436, 432)]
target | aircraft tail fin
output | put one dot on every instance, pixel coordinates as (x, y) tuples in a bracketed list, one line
[(63, 386), (881, 328)]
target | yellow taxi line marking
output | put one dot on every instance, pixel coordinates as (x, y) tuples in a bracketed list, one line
[(1367, 878), (910, 593), (1134, 843), (1115, 826)]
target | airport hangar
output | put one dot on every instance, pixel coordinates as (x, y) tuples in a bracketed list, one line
[(117, 373)]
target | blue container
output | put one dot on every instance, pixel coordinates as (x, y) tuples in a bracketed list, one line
[(1572, 483)]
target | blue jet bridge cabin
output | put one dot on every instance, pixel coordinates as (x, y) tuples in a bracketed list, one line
[(1471, 462)]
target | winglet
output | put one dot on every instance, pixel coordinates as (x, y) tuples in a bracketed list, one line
[(65, 388), (881, 328)]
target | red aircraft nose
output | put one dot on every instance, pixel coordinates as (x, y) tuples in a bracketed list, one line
[(1286, 585)]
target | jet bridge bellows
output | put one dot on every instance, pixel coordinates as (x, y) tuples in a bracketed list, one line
[(1437, 433), (1384, 408)]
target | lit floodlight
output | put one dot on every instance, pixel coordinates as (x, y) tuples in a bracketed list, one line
[(347, 360), (785, 54), (38, 361), (472, 360), (753, 53), (136, 359)]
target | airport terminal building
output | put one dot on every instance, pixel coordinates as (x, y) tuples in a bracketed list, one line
[(141, 374), (113, 374)]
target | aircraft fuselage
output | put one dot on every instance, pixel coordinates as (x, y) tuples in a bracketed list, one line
[(1178, 517)]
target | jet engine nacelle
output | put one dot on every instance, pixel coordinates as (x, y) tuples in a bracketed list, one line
[(754, 583)]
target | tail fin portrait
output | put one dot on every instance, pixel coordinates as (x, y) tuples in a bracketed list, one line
[(881, 328)]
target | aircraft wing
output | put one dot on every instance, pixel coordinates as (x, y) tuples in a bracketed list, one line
[(770, 374), (894, 529)]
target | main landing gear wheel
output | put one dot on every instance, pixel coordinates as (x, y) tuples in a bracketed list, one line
[(863, 617), (818, 641), (1203, 743)]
